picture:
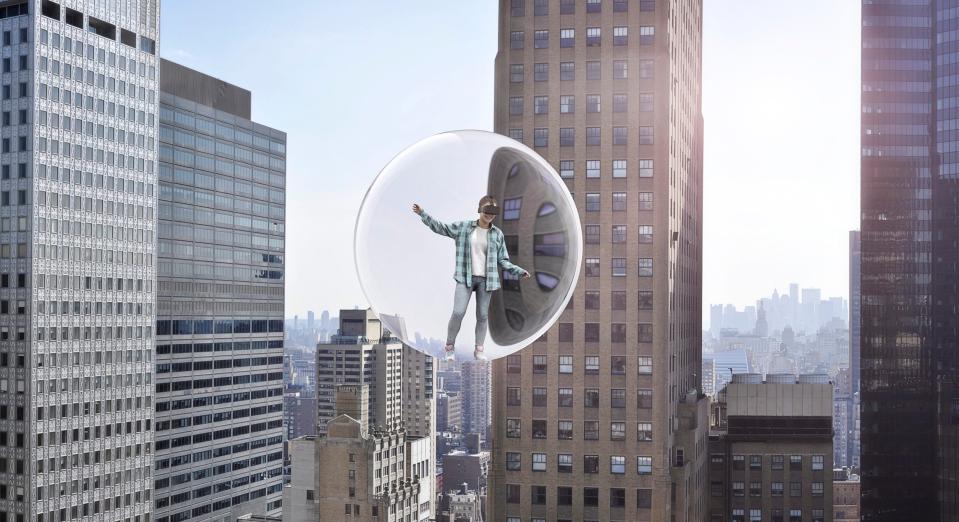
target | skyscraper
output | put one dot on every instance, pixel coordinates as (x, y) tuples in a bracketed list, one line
[(220, 271), (595, 420), (909, 173), (78, 272), (475, 397)]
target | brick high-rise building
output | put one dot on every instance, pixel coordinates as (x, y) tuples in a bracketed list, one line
[(601, 418)]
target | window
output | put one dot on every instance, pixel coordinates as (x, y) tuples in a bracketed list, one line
[(566, 169), (512, 461), (592, 168), (516, 73), (564, 463), (517, 8), (644, 465), (592, 365), (620, 135), (776, 462), (516, 105), (617, 496), (755, 489), (816, 489), (619, 234), (756, 462), (646, 34), (564, 430), (645, 135), (817, 462), (617, 363), (517, 40), (567, 135), (647, 5), (619, 201), (644, 431), (617, 397), (620, 69), (539, 364), (592, 103), (645, 168), (540, 7), (564, 496), (590, 463), (594, 6), (567, 71), (541, 105), (617, 430), (645, 365), (591, 497), (818, 515), (646, 69), (645, 102), (592, 267), (566, 331), (537, 495), (565, 399), (617, 464), (620, 103), (516, 134), (592, 234), (567, 37), (619, 35), (644, 498), (540, 72), (567, 104), (795, 515), (776, 489), (539, 462), (593, 36), (619, 267), (645, 301), (513, 430), (514, 364), (795, 463), (739, 462), (592, 202), (539, 429), (513, 397), (755, 515), (716, 489), (795, 489), (645, 267), (539, 397), (644, 399), (592, 299), (540, 137), (645, 201), (591, 399), (593, 71), (512, 493), (645, 233), (540, 39), (593, 136), (619, 168)]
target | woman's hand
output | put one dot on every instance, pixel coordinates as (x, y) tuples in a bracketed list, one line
[(417, 209), (526, 275)]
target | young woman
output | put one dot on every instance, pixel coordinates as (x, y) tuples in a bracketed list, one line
[(480, 253)]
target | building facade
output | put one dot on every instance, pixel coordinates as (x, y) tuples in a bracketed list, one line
[(855, 308), (583, 419), (220, 286), (909, 275), (449, 413), (770, 452), (475, 396), (78, 208)]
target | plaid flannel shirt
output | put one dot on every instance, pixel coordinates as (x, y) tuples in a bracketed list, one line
[(496, 253)]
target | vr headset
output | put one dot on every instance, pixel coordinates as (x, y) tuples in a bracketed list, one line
[(488, 209)]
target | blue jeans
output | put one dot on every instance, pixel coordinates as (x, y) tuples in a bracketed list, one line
[(460, 300)]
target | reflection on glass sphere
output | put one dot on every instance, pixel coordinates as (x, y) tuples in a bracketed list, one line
[(407, 271)]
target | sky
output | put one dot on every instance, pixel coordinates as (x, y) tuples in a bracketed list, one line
[(354, 83)]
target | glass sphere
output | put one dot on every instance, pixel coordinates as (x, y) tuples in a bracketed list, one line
[(407, 268)]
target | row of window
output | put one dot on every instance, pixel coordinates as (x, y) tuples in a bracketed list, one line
[(98, 357), (776, 462), (220, 148), (88, 333), (219, 129), (204, 455), (217, 326), (564, 430), (211, 382), (592, 233), (79, 101), (568, 7), (590, 367), (203, 510), (776, 515), (206, 473), (83, 308), (95, 507), (618, 266), (104, 132), (564, 497), (219, 364), (567, 138), (225, 433), (96, 432), (594, 37), (77, 384), (62, 229), (79, 152), (567, 105), (594, 71), (208, 401), (620, 137), (617, 399), (77, 74), (98, 181), (775, 489), (96, 26), (220, 346), (564, 463)]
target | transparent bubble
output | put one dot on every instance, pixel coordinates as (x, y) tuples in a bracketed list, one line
[(407, 270)]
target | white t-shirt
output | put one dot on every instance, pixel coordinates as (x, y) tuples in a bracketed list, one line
[(478, 242)]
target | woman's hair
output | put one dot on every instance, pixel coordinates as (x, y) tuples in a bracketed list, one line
[(487, 200)]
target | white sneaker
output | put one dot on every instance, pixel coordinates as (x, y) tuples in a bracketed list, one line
[(478, 353), (450, 352)]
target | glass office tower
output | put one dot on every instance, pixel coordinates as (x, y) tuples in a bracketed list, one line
[(220, 270)]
